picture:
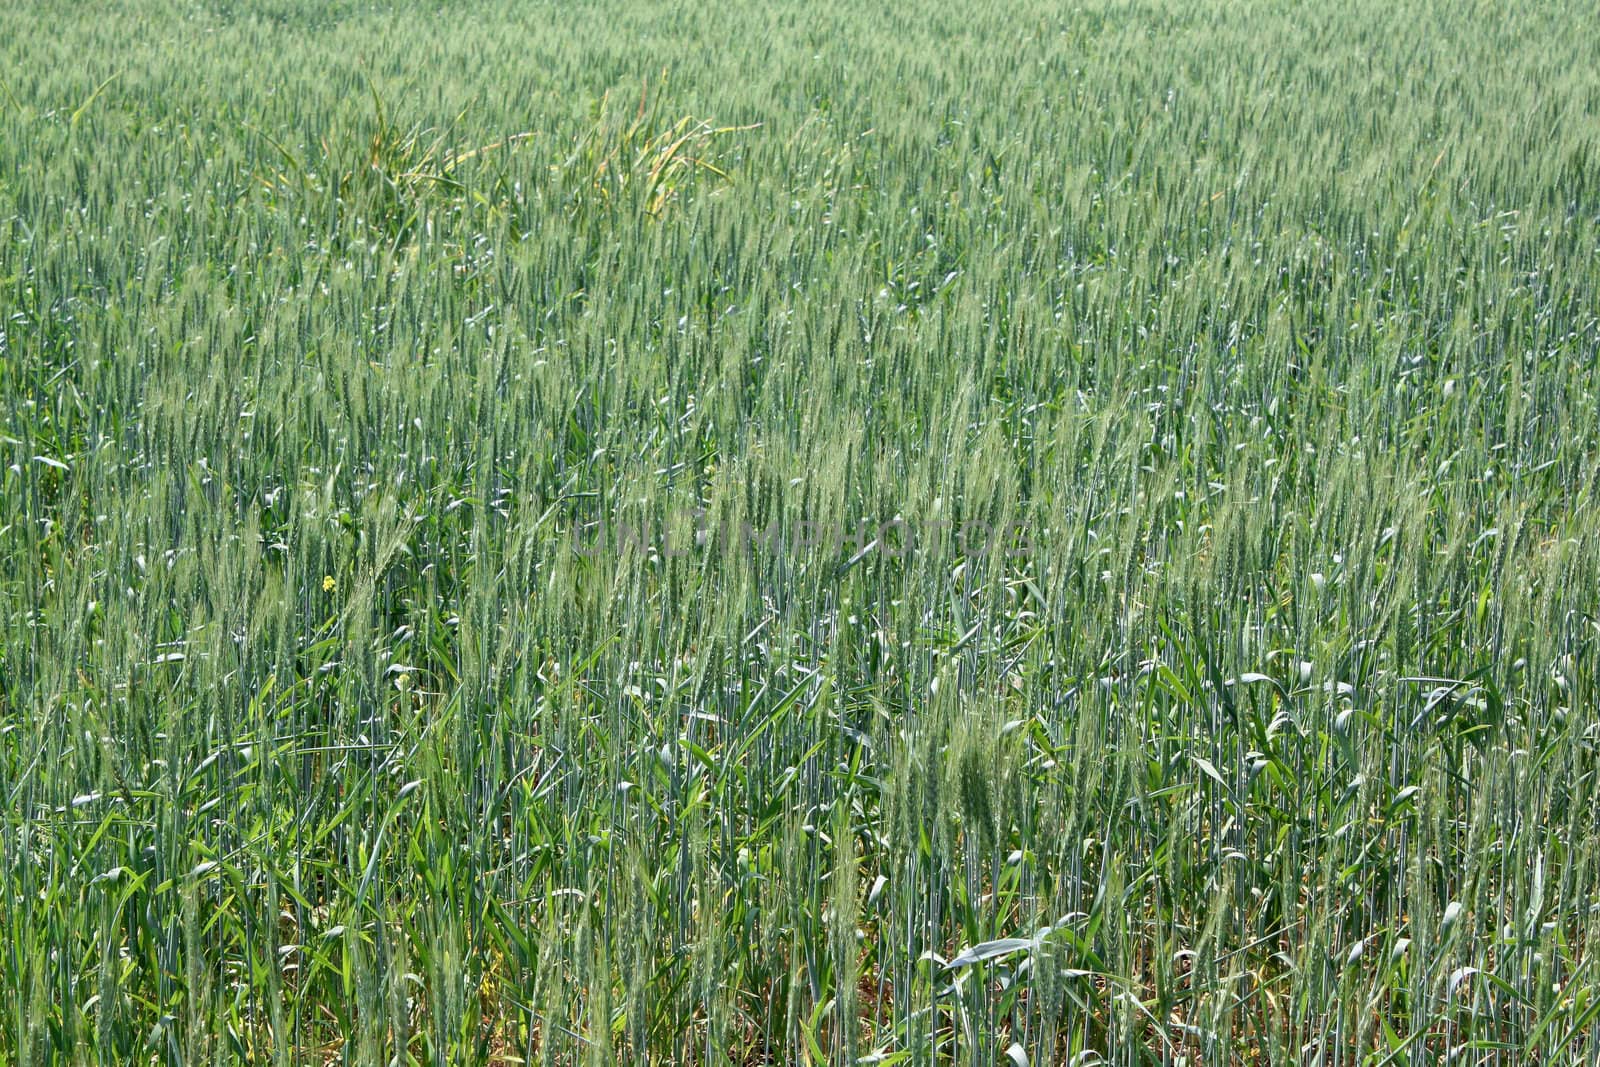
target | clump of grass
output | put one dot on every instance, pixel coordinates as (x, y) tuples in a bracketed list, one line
[(390, 179), (640, 158)]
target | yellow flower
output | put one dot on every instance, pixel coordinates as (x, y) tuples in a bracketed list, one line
[(328, 584)]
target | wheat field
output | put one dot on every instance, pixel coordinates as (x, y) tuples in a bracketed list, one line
[(836, 533)]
